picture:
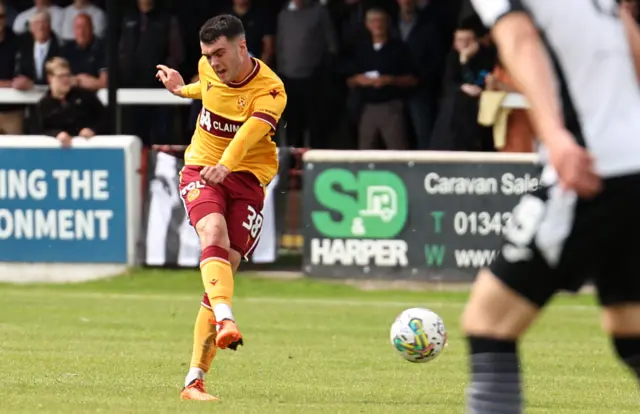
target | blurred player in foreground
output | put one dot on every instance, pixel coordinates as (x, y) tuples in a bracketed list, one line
[(230, 161), (582, 222)]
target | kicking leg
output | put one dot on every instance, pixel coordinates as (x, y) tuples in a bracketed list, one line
[(217, 277), (493, 321), (204, 347)]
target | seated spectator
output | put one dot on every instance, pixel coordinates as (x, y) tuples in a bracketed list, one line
[(96, 15), (468, 64), (35, 52), (56, 15), (11, 116), (383, 73), (66, 111), (86, 55), (9, 12)]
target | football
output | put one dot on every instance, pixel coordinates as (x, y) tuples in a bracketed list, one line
[(418, 335)]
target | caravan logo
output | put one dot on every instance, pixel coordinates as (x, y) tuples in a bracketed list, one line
[(361, 213)]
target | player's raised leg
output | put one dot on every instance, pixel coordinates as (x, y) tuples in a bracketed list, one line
[(204, 347)]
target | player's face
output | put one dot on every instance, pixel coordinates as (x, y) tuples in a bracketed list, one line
[(225, 57)]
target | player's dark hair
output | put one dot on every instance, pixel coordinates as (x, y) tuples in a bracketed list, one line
[(224, 25)]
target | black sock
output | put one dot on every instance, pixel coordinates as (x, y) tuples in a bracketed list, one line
[(495, 377), (628, 349)]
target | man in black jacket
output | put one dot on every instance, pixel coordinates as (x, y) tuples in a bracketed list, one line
[(65, 111), (36, 50)]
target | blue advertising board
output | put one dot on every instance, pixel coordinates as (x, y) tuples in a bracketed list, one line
[(63, 205)]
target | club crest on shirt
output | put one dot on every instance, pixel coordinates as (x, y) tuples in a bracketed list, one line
[(274, 93), (193, 194), (242, 102)]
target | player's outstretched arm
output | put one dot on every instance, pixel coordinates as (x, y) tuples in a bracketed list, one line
[(633, 36), (172, 80)]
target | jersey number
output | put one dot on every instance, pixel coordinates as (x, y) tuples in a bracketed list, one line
[(521, 229), (253, 222)]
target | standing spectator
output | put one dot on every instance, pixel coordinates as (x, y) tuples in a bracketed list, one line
[(10, 13), (383, 73), (96, 14), (11, 116), (56, 16), (305, 38), (468, 65), (86, 55), (423, 40), (149, 37), (35, 52), (258, 28), (65, 111)]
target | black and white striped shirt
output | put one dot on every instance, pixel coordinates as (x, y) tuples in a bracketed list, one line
[(595, 70)]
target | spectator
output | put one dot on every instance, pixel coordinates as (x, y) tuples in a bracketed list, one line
[(383, 72), (259, 30), (10, 13), (149, 37), (424, 44), (97, 15), (56, 16), (66, 111), (468, 64), (304, 39), (35, 52), (11, 116), (86, 55)]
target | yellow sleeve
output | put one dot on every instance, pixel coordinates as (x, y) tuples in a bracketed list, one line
[(267, 110), (247, 136), (270, 106), (192, 91)]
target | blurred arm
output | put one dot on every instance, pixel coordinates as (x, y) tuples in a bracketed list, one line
[(633, 36), (525, 58)]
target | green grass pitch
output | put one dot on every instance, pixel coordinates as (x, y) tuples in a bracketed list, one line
[(122, 346)]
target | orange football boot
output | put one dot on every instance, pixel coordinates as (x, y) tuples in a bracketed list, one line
[(195, 391), (228, 336)]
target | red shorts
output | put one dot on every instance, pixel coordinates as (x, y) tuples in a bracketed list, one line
[(239, 198)]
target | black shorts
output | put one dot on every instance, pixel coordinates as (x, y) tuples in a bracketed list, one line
[(556, 241)]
